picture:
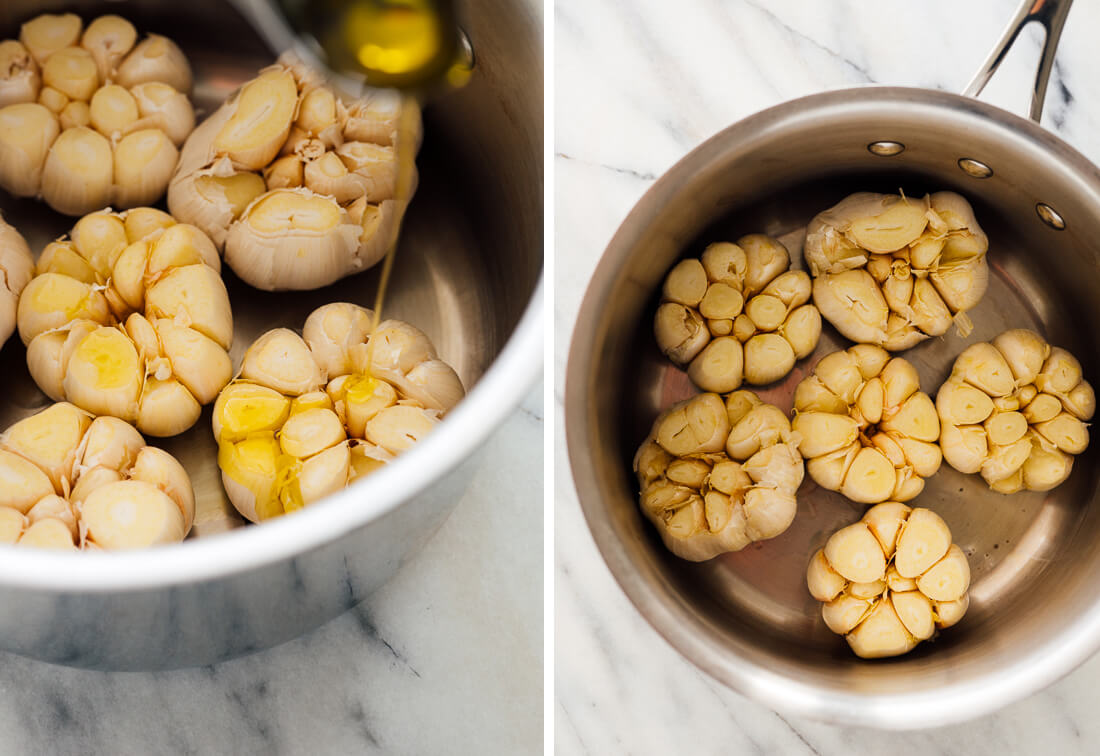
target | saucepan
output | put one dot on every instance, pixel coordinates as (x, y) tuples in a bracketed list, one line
[(468, 272), (746, 618)]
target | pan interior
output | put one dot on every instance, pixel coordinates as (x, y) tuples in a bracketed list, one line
[(747, 617), (470, 252)]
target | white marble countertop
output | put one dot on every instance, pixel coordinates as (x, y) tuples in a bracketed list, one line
[(638, 86), (446, 658)]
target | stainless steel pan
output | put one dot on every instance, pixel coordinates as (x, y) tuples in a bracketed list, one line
[(468, 272), (747, 618)]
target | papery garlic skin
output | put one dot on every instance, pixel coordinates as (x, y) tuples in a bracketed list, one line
[(865, 427), (16, 271), (891, 580), (1016, 411), (308, 414), (892, 270), (130, 318), (88, 119), (737, 314), (68, 481), (718, 475), (295, 185)]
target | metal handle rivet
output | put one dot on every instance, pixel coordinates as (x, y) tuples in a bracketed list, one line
[(975, 168), (886, 149), (1050, 216)]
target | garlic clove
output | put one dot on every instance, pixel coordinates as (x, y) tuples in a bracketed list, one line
[(397, 428), (964, 447), (870, 478), (740, 403), (766, 258), (46, 34), (1046, 468), (958, 403), (768, 512), (166, 408), (143, 165), (948, 579), (325, 473), (108, 38), (196, 296), (331, 330), (282, 360), (697, 426), (923, 541), (803, 330), (1081, 400), (1024, 351), (897, 224), (162, 470), (854, 553), (719, 366), (721, 301), (110, 442), (49, 440), (845, 612), (885, 521), (1004, 428), (19, 76), (915, 612), (48, 533), (916, 418), (811, 395), (155, 58), (823, 433), (261, 117), (767, 358), (78, 172), (22, 484), (104, 375), (112, 110), (680, 331), (311, 432), (983, 366), (27, 131), (12, 525), (71, 71), (1042, 408), (840, 373), (245, 408), (131, 514), (881, 634), (824, 582), (141, 222), (950, 612), (763, 425), (163, 107)]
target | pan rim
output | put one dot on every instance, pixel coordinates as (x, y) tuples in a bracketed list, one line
[(656, 601)]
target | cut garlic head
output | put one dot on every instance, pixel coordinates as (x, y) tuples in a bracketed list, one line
[(130, 318), (865, 427), (1016, 411), (889, 581), (297, 186), (737, 314), (88, 119), (308, 414), (16, 271), (70, 481), (892, 271), (716, 476)]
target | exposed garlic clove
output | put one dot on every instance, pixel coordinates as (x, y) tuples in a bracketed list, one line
[(696, 426), (950, 612), (923, 542), (48, 33), (768, 512), (262, 114), (331, 330), (948, 579), (155, 58), (244, 408), (854, 553), (823, 433), (680, 332), (397, 428), (108, 38), (110, 442), (166, 408), (915, 611), (48, 533), (375, 165), (49, 440), (141, 222), (871, 477), (803, 330), (310, 432), (74, 115), (163, 107), (162, 470), (97, 477), (71, 71), (78, 172), (1024, 351), (325, 473), (885, 522), (12, 525), (19, 77), (718, 367), (767, 358), (766, 258), (1046, 468), (282, 360), (199, 363), (131, 514), (143, 165), (845, 612), (881, 634), (27, 131), (196, 294), (22, 484), (112, 110), (824, 582), (104, 374)]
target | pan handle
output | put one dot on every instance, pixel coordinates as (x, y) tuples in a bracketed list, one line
[(1052, 15)]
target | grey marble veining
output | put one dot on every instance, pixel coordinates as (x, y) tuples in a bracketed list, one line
[(638, 86), (445, 658)]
